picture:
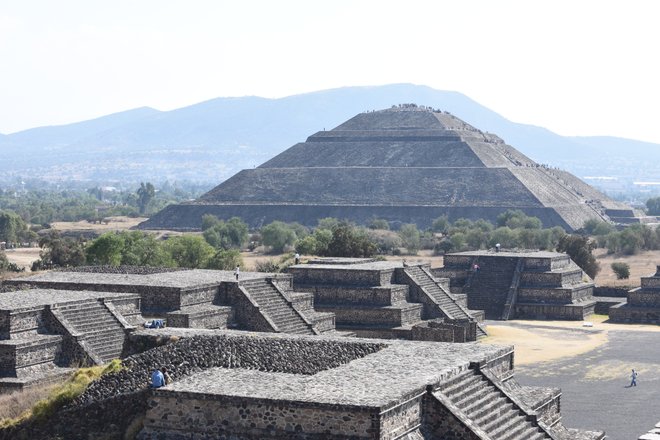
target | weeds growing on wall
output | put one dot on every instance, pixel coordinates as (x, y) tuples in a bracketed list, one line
[(59, 395)]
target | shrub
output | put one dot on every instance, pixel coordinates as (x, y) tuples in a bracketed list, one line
[(269, 266), (277, 235), (225, 259), (621, 270)]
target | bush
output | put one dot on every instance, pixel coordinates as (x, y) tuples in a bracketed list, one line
[(379, 223), (225, 259), (190, 251), (277, 235), (269, 266), (622, 270), (307, 246), (653, 206), (440, 224), (348, 241)]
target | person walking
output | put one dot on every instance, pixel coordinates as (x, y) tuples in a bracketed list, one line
[(633, 378), (297, 258), (237, 272)]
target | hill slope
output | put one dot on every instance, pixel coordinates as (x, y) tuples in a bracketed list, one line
[(212, 140)]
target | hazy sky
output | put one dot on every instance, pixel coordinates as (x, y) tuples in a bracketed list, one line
[(575, 67)]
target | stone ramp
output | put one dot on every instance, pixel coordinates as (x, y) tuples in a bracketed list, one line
[(487, 407), (102, 332), (273, 303), (447, 304)]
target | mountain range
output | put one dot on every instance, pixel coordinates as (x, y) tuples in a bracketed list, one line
[(212, 140)]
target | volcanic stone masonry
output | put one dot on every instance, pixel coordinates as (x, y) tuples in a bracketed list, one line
[(239, 385), (643, 305), (407, 164), (520, 284)]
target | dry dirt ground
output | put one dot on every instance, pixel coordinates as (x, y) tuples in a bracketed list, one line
[(118, 223), (642, 264)]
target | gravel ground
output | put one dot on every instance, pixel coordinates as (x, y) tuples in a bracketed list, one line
[(595, 385)]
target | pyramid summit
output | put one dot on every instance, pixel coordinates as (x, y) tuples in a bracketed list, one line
[(406, 164)]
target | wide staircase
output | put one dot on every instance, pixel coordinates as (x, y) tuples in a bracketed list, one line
[(104, 334), (272, 303), (489, 286), (489, 408), (447, 303)]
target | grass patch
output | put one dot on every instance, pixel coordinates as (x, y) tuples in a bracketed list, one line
[(60, 395)]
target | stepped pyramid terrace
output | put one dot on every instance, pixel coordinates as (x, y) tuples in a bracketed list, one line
[(407, 164), (643, 304)]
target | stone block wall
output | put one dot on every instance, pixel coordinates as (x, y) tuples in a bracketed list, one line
[(553, 296), (348, 277), (374, 296), (22, 323), (188, 297), (170, 417), (644, 298)]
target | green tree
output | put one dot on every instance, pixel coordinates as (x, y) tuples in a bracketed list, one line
[(277, 235), (225, 259), (515, 218), (307, 245), (145, 194), (440, 224), (504, 236), (653, 206), (143, 249), (190, 251), (349, 242), (621, 270), (579, 249), (13, 228), (379, 223), (323, 238), (410, 237), (597, 227), (327, 223), (58, 251), (226, 235), (106, 250)]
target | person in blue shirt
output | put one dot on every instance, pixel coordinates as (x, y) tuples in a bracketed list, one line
[(157, 379)]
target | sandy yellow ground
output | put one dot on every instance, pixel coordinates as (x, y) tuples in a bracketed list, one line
[(541, 341)]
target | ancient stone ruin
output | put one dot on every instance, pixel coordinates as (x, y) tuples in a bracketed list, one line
[(85, 315), (384, 299), (523, 285), (230, 384), (643, 305), (407, 164)]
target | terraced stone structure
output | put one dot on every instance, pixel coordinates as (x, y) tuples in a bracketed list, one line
[(385, 299), (643, 305), (84, 316), (407, 164), (523, 285), (401, 390), (43, 332)]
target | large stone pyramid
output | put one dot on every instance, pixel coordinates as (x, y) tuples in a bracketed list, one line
[(406, 164)]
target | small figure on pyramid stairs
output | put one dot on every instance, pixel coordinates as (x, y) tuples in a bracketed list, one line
[(237, 272)]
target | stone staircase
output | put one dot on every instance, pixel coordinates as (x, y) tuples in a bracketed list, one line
[(490, 285), (512, 296), (273, 304), (103, 333), (447, 303), (489, 408)]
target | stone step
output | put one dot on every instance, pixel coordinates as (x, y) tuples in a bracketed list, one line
[(454, 385), (509, 422)]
